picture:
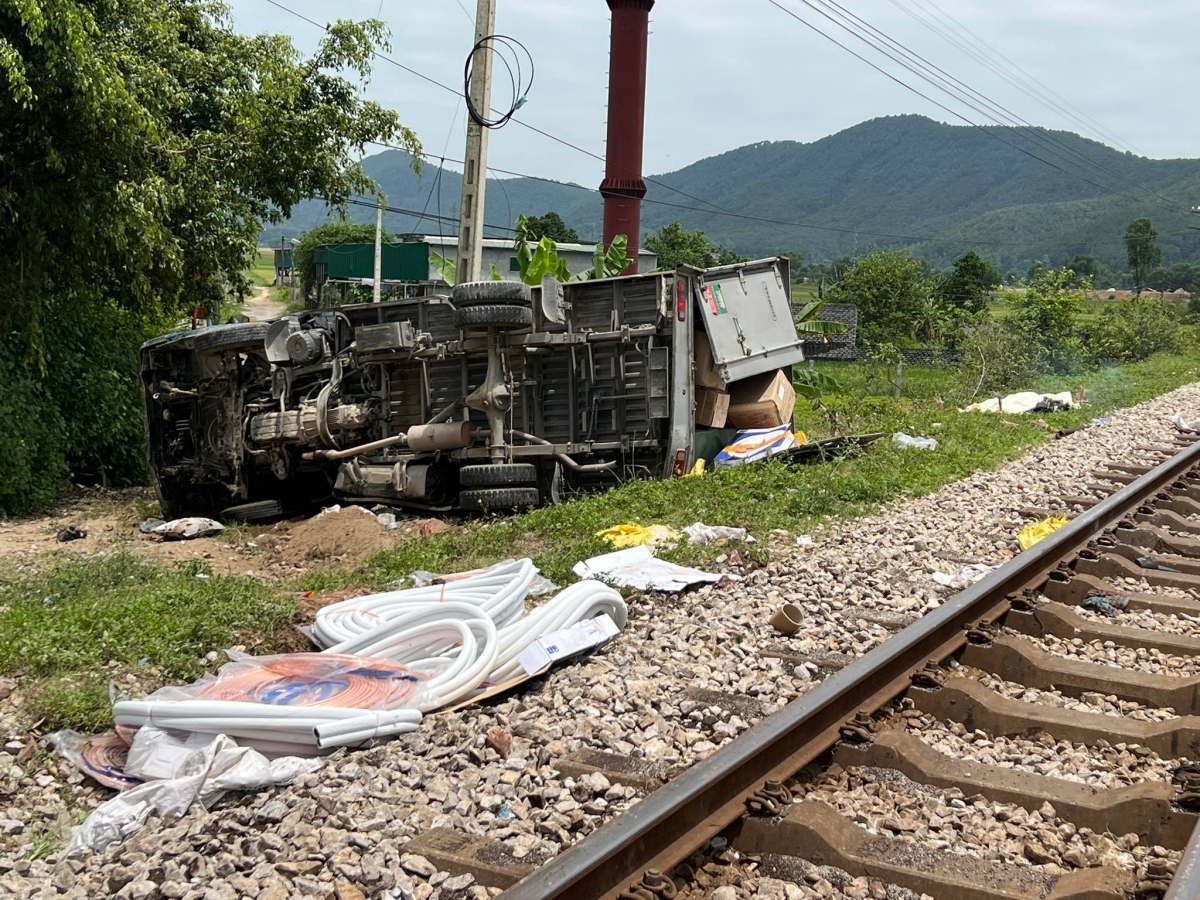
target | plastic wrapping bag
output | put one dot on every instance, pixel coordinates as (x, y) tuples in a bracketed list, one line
[(540, 587), (308, 679), (900, 439), (699, 533)]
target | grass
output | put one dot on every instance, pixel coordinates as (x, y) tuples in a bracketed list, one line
[(262, 273), (64, 627), (70, 627)]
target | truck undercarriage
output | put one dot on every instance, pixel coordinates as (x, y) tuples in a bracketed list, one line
[(494, 397)]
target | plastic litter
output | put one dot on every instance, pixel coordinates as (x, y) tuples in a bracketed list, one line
[(901, 439), (72, 533), (786, 619), (387, 520), (1151, 562), (185, 529), (964, 578), (1107, 603), (180, 773), (1184, 424), (633, 535), (541, 586), (697, 469), (699, 533), (1023, 402), (754, 445), (639, 569), (102, 757), (1031, 534), (805, 540)]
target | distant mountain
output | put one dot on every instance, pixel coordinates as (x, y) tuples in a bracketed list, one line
[(903, 181)]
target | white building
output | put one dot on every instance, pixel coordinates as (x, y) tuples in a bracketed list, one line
[(501, 254)]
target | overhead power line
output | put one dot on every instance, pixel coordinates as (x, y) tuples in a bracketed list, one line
[(867, 34), (999, 113), (984, 53)]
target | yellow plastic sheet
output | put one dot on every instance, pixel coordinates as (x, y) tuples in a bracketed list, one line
[(631, 535), (697, 469), (1031, 534)]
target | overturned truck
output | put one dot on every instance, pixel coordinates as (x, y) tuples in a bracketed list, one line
[(496, 396)]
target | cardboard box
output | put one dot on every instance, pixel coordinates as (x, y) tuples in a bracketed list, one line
[(712, 407), (706, 372), (764, 401)]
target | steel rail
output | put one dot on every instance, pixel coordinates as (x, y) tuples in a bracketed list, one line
[(676, 820)]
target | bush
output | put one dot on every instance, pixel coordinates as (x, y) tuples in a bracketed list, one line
[(995, 358), (1133, 330), (1045, 315), (74, 412)]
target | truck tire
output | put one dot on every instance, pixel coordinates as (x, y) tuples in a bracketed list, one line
[(230, 337), (476, 317), (496, 293), (499, 498), (260, 511), (498, 475)]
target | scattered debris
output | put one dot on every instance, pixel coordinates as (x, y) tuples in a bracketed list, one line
[(964, 578), (1031, 534), (832, 448), (1151, 562), (756, 444), (500, 741), (632, 535), (639, 569), (1106, 603), (72, 533), (184, 529), (786, 619), (900, 439), (1185, 425), (699, 533)]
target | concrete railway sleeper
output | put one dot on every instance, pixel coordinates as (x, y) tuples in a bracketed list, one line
[(846, 776)]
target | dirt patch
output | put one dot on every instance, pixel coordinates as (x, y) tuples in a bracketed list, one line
[(341, 538)]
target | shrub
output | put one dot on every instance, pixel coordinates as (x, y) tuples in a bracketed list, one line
[(1133, 330), (1045, 315), (995, 358)]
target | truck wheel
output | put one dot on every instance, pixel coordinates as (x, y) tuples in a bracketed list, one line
[(499, 498), (476, 317), (260, 511), (495, 475), (230, 337), (498, 293)]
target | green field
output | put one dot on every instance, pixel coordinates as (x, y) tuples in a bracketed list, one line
[(262, 273)]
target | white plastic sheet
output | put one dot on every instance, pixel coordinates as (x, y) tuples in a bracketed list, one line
[(907, 441), (641, 570), (964, 578), (1023, 402), (179, 772), (699, 533), (187, 529)]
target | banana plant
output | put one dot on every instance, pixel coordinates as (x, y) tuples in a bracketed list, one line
[(607, 263), (446, 268), (808, 323), (811, 384)]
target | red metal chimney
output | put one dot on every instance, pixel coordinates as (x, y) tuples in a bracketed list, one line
[(623, 188)]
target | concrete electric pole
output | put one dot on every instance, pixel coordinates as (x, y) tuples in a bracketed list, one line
[(474, 182), (378, 291)]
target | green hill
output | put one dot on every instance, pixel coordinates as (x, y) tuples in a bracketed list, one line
[(903, 181)]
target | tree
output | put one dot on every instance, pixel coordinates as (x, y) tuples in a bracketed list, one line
[(144, 143), (343, 232), (968, 285), (676, 246), (889, 288), (1045, 316), (552, 226), (1141, 242)]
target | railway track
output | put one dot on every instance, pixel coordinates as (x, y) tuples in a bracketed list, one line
[(917, 767)]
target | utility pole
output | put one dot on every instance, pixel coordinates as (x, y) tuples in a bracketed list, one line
[(474, 181), (378, 293)]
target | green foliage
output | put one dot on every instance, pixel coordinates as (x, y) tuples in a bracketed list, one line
[(1141, 243), (968, 285), (891, 290), (331, 233), (550, 226), (1088, 267), (1132, 330), (607, 263), (1180, 275), (144, 145), (447, 269), (1045, 315), (675, 246), (813, 384), (79, 417), (994, 359), (61, 627), (807, 322)]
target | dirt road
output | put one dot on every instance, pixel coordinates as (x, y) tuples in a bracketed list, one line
[(260, 306)]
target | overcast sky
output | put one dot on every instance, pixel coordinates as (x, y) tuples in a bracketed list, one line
[(725, 73)]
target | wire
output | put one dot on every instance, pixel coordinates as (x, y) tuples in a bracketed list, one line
[(1073, 169), (1000, 114), (520, 87)]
